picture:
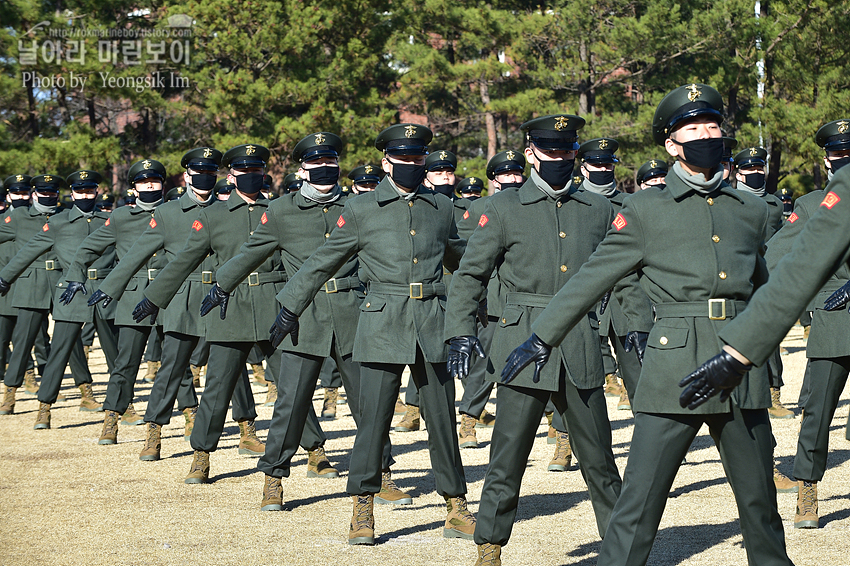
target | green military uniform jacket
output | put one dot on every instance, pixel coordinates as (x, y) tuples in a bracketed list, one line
[(7, 252), (689, 248), (461, 205), (168, 231), (298, 227), (467, 225), (399, 242), (121, 230), (37, 283), (821, 248), (219, 231), (62, 235), (536, 244), (775, 220)]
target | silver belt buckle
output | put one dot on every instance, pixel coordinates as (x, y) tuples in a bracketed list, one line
[(152, 274), (92, 273), (253, 279), (329, 282), (711, 303), (206, 277), (49, 264), (413, 293)]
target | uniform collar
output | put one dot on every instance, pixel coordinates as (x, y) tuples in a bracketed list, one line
[(679, 190), (304, 202), (235, 201), (529, 194), (187, 202), (385, 193)]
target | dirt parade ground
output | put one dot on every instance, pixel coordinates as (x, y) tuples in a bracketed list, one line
[(65, 500)]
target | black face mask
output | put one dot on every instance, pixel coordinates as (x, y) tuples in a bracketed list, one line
[(839, 163), (203, 181), (17, 203), (601, 178), (249, 183), (702, 153), (556, 172), (324, 175), (49, 201), (149, 196), (754, 180), (514, 185), (447, 190), (408, 175), (85, 204)]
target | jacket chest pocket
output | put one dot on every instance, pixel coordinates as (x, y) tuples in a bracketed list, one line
[(510, 316)]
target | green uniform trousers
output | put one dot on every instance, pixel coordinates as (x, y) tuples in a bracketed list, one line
[(659, 443), (476, 389), (153, 351), (27, 329), (627, 363), (519, 411), (379, 385), (67, 343), (87, 335), (7, 325), (201, 354), (171, 383), (122, 380), (294, 405), (330, 376), (826, 380)]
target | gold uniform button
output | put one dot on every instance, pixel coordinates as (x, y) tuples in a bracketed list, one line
[(504, 320), (325, 209), (413, 232), (251, 233), (710, 201), (88, 220), (715, 238), (722, 275), (415, 260), (368, 305), (663, 340), (559, 204), (563, 269), (154, 254), (410, 203), (327, 235), (562, 234), (250, 209)]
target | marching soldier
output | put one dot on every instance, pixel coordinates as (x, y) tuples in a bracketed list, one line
[(440, 169), (62, 234), (402, 233), (16, 192), (727, 161), (651, 174), (222, 189), (33, 295), (297, 225), (697, 245), (470, 188), (218, 232), (291, 183), (509, 239), (365, 178)]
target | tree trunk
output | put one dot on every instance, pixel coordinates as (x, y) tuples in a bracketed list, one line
[(489, 121), (775, 163)]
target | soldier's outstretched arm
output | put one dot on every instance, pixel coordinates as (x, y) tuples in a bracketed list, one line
[(150, 242), (92, 248), (37, 245), (455, 247), (263, 242)]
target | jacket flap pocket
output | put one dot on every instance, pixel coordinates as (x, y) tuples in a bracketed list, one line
[(510, 316), (665, 338), (373, 303)]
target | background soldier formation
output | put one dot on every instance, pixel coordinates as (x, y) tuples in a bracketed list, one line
[(411, 269)]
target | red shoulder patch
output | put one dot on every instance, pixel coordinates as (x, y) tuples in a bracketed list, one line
[(619, 222), (108, 220), (196, 226), (793, 218), (45, 228), (483, 220), (8, 219), (264, 218), (830, 200), (466, 215), (340, 222), (152, 223)]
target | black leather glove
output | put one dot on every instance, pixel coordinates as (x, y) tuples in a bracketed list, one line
[(460, 351), (73, 288), (144, 309), (216, 297), (4, 287), (99, 296), (720, 374), (285, 323), (481, 313), (838, 299), (532, 350), (603, 303), (636, 340)]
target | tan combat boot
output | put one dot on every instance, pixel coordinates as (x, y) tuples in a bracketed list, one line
[(486, 420), (189, 414), (563, 454), (196, 376), (259, 374), (552, 435), (400, 408), (807, 506), (624, 404), (271, 394), (783, 483), (86, 352), (8, 406), (131, 417), (153, 367), (777, 409), (87, 400), (612, 385), (248, 441), (318, 465), (489, 555), (329, 403), (272, 495), (30, 386), (410, 422), (42, 419), (153, 443), (109, 435), (199, 471), (390, 494), (362, 529), (460, 523), (466, 436)]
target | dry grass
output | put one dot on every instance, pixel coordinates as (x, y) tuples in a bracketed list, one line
[(66, 501)]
